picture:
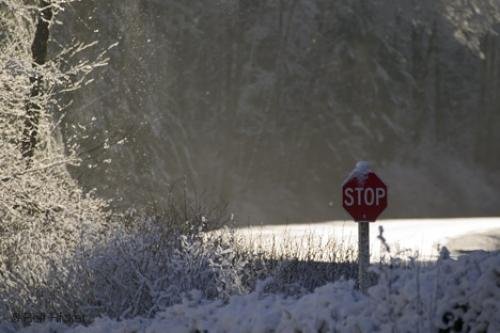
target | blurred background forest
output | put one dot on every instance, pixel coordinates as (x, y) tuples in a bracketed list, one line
[(268, 104)]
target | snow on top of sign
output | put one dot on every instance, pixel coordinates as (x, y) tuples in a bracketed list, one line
[(361, 171)]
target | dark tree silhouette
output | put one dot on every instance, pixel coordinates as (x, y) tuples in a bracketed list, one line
[(39, 54)]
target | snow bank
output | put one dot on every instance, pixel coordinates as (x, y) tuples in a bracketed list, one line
[(462, 294)]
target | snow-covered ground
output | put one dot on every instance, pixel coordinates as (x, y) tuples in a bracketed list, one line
[(452, 296), (457, 294), (422, 237)]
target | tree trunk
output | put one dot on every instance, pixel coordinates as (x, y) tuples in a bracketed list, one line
[(39, 54)]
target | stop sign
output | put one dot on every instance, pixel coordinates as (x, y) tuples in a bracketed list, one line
[(364, 195)]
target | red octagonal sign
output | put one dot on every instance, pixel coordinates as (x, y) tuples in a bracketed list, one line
[(364, 194)]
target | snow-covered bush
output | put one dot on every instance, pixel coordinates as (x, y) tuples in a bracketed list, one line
[(141, 271), (146, 265), (460, 295), (142, 265)]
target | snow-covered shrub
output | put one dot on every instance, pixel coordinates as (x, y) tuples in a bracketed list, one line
[(460, 295), (294, 276), (451, 296), (141, 271), (144, 265), (294, 262)]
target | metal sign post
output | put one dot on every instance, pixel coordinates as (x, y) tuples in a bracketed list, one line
[(363, 254), (364, 197)]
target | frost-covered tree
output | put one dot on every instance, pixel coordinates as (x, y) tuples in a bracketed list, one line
[(44, 215)]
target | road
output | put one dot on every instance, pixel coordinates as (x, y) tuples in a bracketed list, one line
[(412, 237)]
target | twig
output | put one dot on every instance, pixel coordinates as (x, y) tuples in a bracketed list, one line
[(32, 170)]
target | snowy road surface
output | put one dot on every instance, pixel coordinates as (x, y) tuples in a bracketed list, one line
[(414, 236)]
